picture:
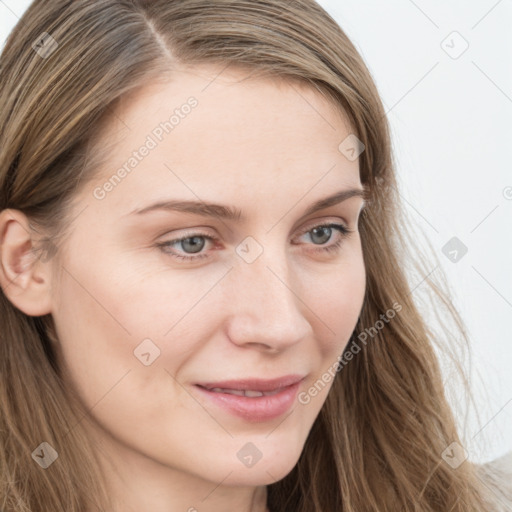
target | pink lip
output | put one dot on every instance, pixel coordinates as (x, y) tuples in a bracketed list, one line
[(255, 409)]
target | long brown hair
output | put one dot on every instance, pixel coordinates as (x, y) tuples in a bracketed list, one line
[(378, 441)]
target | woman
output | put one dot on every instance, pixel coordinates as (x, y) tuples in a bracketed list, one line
[(204, 304)]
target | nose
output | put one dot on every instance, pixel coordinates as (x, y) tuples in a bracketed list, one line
[(266, 307)]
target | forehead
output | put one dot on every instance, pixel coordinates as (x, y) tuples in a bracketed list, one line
[(231, 98), (228, 134)]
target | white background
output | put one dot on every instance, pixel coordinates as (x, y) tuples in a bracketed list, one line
[(451, 121)]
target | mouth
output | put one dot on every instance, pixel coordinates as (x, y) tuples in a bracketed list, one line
[(254, 400), (254, 384), (244, 392)]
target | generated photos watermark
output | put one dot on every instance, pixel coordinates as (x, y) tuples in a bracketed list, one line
[(152, 140), (348, 354)]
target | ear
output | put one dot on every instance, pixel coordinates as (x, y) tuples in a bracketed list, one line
[(25, 279)]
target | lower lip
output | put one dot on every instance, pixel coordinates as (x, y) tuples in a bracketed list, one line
[(255, 409)]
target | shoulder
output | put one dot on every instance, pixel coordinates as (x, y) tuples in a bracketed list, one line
[(497, 478)]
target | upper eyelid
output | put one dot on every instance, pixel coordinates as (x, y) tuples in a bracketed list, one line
[(312, 223)]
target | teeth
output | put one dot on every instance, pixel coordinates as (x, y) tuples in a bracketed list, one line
[(247, 392), (238, 392)]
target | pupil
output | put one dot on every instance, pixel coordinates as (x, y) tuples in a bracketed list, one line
[(325, 230), (196, 244)]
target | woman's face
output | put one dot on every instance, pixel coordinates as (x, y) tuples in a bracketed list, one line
[(263, 296)]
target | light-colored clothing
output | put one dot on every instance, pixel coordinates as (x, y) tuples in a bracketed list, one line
[(497, 478)]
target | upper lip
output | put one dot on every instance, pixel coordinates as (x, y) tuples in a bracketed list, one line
[(254, 384)]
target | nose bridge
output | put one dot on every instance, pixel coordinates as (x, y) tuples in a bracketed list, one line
[(267, 308)]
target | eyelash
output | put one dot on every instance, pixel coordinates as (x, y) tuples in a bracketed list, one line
[(342, 229)]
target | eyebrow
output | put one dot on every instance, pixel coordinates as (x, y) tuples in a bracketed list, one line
[(220, 211)]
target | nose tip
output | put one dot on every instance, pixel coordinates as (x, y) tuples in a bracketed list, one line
[(267, 313)]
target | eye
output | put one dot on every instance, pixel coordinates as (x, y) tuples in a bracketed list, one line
[(193, 243), (324, 232)]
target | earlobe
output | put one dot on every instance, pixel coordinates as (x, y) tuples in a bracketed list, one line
[(24, 278)]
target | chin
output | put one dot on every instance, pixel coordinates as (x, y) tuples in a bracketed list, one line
[(273, 465), (255, 477)]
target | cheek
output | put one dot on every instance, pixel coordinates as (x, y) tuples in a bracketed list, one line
[(106, 314), (151, 298), (337, 306), (337, 298), (99, 328), (95, 347)]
